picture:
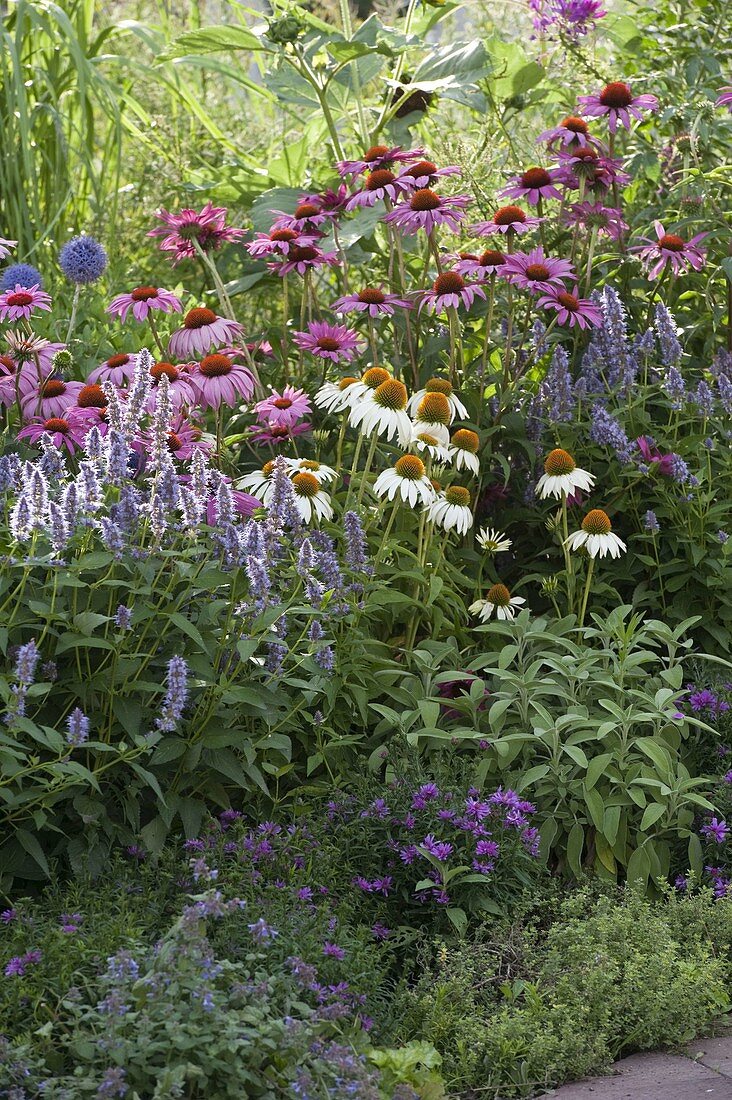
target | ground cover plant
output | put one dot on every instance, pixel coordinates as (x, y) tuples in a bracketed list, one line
[(364, 545)]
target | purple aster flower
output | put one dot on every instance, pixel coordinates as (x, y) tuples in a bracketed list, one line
[(333, 951), (534, 185), (715, 830), (617, 101), (450, 291), (335, 342), (380, 932), (427, 210), (440, 849), (537, 272), (372, 300), (262, 933)]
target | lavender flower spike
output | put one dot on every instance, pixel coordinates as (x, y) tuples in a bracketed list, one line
[(175, 696)]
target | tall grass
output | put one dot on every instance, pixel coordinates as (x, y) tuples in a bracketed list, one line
[(76, 96)]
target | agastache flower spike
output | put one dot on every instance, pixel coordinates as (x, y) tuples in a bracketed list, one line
[(175, 696)]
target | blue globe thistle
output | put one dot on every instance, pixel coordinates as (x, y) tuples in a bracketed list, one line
[(21, 274), (82, 260)]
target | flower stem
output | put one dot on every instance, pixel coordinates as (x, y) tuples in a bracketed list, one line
[(590, 570)]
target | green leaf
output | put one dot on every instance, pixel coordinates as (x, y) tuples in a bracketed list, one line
[(575, 846), (217, 39), (651, 815), (458, 919), (33, 848), (86, 622), (638, 869)]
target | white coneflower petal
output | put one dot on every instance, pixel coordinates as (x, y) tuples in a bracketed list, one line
[(499, 602), (493, 542), (259, 483), (562, 477), (596, 536), (407, 480), (443, 386), (334, 396), (319, 470), (451, 510), (310, 498)]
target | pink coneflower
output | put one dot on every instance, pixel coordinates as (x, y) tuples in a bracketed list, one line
[(507, 220), (18, 304), (142, 300), (536, 272), (184, 439), (49, 398), (307, 217), (6, 247), (671, 249), (118, 370), (182, 389), (724, 100), (15, 381), (427, 210), (283, 409), (450, 290), (219, 380), (482, 266), (663, 463), (276, 435), (379, 185), (379, 156), (280, 242), (207, 227), (426, 174), (332, 199), (532, 185), (304, 258), (202, 329), (571, 131), (571, 309), (373, 301), (67, 431), (590, 167), (618, 102), (607, 220), (335, 342)]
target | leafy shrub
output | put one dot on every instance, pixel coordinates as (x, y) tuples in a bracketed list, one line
[(163, 650), (178, 1017), (523, 1010)]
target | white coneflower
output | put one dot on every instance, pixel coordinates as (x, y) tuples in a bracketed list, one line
[(259, 483), (408, 480), (443, 386), (597, 537), (464, 450), (452, 510), (431, 446), (319, 470), (493, 542), (498, 599), (333, 396), (310, 498), (383, 412), (433, 416), (562, 477), (365, 385)]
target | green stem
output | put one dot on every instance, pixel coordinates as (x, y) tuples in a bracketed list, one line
[(590, 570)]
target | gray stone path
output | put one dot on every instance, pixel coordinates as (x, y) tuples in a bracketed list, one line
[(704, 1072)]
